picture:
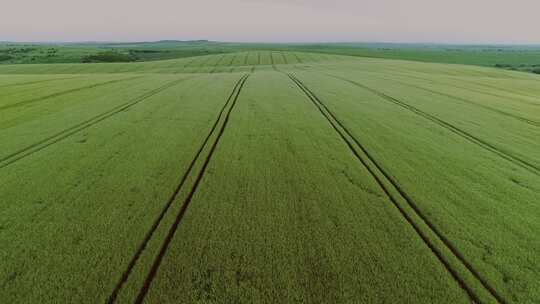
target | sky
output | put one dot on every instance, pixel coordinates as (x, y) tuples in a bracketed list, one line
[(425, 21)]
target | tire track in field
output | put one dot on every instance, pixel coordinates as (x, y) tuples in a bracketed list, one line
[(258, 58), (217, 64), (188, 62), (246, 59), (465, 100), (272, 61), (87, 87), (125, 276), (519, 96), (385, 176), (203, 64), (157, 261), (197, 66), (464, 134), (232, 59), (494, 87), (523, 119), (297, 58), (34, 82), (284, 58), (46, 142), (231, 63)]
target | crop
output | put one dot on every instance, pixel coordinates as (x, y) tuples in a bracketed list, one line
[(269, 176)]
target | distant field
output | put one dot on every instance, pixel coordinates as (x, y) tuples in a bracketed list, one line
[(269, 176), (20, 53), (519, 58)]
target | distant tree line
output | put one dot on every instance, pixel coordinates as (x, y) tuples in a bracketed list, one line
[(4, 57), (534, 68), (109, 56)]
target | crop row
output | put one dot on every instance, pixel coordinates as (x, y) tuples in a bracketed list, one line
[(285, 214), (224, 63), (471, 195), (78, 209)]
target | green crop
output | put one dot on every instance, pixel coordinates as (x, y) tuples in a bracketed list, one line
[(269, 176)]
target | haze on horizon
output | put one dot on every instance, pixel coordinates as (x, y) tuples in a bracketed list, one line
[(457, 21)]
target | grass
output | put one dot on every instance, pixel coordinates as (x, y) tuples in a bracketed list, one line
[(268, 176)]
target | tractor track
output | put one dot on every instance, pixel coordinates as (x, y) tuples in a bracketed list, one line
[(203, 64), (508, 91), (298, 58), (337, 124), (523, 119), (200, 65), (232, 60), (519, 96), (65, 92), (217, 64), (125, 275), (44, 143), (284, 58), (157, 261), (205, 61), (246, 59), (468, 101), (231, 63), (34, 82), (272, 61), (189, 62), (464, 134)]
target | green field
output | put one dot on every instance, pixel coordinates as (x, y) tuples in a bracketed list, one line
[(525, 58), (513, 57), (34, 53), (269, 176)]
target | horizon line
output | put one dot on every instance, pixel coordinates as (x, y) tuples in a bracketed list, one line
[(270, 42)]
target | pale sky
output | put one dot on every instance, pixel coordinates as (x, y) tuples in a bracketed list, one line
[(450, 21)]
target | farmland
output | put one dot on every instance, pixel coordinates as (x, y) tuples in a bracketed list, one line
[(266, 176), (24, 53), (511, 57)]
